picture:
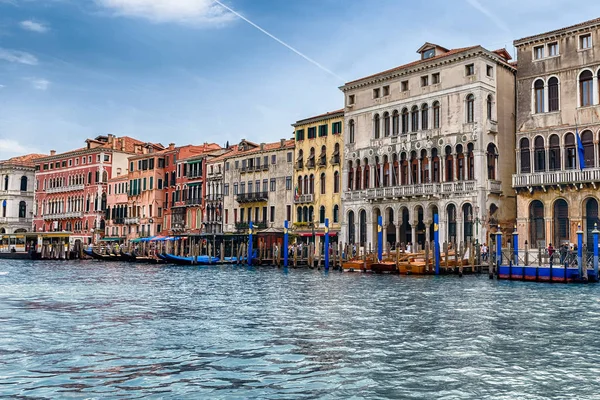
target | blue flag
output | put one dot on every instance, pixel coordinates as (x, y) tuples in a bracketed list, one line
[(580, 151)]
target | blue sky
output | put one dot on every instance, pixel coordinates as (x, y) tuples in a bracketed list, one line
[(190, 71)]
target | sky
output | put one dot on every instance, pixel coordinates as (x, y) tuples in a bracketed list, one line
[(195, 71)]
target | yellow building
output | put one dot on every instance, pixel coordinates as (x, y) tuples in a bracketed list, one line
[(317, 175)]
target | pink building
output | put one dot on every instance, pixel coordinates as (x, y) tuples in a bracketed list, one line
[(117, 207)]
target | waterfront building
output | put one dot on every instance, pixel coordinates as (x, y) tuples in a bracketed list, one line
[(117, 208), (71, 187), (558, 103), (434, 136), (16, 193), (258, 185), (317, 174), (184, 200), (215, 186)]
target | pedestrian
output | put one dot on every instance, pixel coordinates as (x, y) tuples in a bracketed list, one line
[(484, 252), (550, 252)]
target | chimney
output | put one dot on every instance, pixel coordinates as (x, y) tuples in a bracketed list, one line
[(282, 141), (171, 146), (52, 152), (262, 146), (122, 144)]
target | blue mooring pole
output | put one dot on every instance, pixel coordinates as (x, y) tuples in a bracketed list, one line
[(285, 244), (436, 243), (595, 233), (250, 226), (379, 238), (326, 249), (498, 251), (580, 250), (516, 247)]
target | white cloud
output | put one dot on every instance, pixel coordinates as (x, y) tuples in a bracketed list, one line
[(11, 146), (34, 26), (180, 11), (17, 56), (39, 84)]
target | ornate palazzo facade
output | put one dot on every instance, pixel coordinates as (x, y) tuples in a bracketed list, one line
[(432, 136)]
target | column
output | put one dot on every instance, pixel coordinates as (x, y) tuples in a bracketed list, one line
[(419, 178), (427, 230), (398, 231), (459, 228), (413, 234), (381, 173)]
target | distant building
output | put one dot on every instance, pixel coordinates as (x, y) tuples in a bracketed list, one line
[(258, 185), (317, 174), (118, 208), (71, 187), (434, 136), (17, 176), (558, 97), (215, 189)]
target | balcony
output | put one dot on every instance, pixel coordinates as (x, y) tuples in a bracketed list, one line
[(65, 215), (14, 220), (556, 178), (252, 197), (62, 189), (214, 197), (425, 189), (304, 198), (322, 161), (193, 201), (118, 221), (494, 186), (244, 226), (299, 165), (335, 160), (132, 221)]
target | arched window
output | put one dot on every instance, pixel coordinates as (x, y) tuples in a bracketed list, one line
[(351, 129), (554, 153), (336, 214), (322, 215), (322, 183), (6, 182), (299, 185), (451, 217), (386, 124), (305, 214), (358, 176), (377, 172), (414, 167), (525, 156), (561, 222), (311, 213), (366, 177), (537, 230), (467, 222), (311, 188), (22, 209), (540, 154), (436, 114), (470, 108), (336, 182), (395, 123), (403, 169), (299, 214), (492, 157), (425, 178), (471, 162), (587, 139), (395, 170), (351, 227), (570, 152), (23, 184), (376, 126), (435, 174), (350, 176), (553, 94), (449, 165), (489, 107), (460, 163), (386, 171), (538, 90), (414, 119), (404, 120), (363, 227), (586, 89), (424, 117), (306, 190)]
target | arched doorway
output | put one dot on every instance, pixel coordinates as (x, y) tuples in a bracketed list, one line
[(363, 227), (434, 211), (591, 218), (405, 228), (351, 228), (451, 218), (561, 222), (374, 225), (537, 230), (420, 227), (467, 222), (391, 227)]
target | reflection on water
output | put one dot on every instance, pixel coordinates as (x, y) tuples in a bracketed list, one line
[(116, 330)]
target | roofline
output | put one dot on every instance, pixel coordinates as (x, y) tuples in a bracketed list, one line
[(322, 117), (558, 32)]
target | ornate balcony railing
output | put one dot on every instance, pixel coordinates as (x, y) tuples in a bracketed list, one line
[(252, 197), (425, 189), (65, 215), (555, 178), (62, 189), (132, 221), (193, 201), (304, 198)]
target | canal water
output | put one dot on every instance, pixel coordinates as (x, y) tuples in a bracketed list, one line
[(93, 330)]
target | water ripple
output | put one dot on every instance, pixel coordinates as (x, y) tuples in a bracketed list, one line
[(121, 331)]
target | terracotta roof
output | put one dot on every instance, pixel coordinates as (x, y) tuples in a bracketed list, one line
[(25, 160), (234, 152), (318, 117), (122, 177), (568, 28), (417, 62)]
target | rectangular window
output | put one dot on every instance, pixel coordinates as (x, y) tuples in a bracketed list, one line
[(489, 71), (404, 86), (288, 213), (264, 214), (272, 219), (161, 163), (300, 134), (386, 90), (538, 52), (425, 80), (89, 159), (227, 166), (226, 216), (336, 128), (77, 161), (130, 166), (470, 69), (160, 183), (351, 99), (265, 161), (237, 164), (144, 184), (151, 183), (435, 78), (242, 188), (585, 41), (139, 167), (272, 184), (322, 130), (106, 158), (288, 183), (552, 49), (226, 189), (242, 214), (312, 133), (70, 163), (289, 156), (235, 219), (376, 93), (265, 186), (235, 189), (151, 163)]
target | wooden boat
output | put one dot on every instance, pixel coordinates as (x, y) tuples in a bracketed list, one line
[(385, 266), (359, 264), (199, 260)]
